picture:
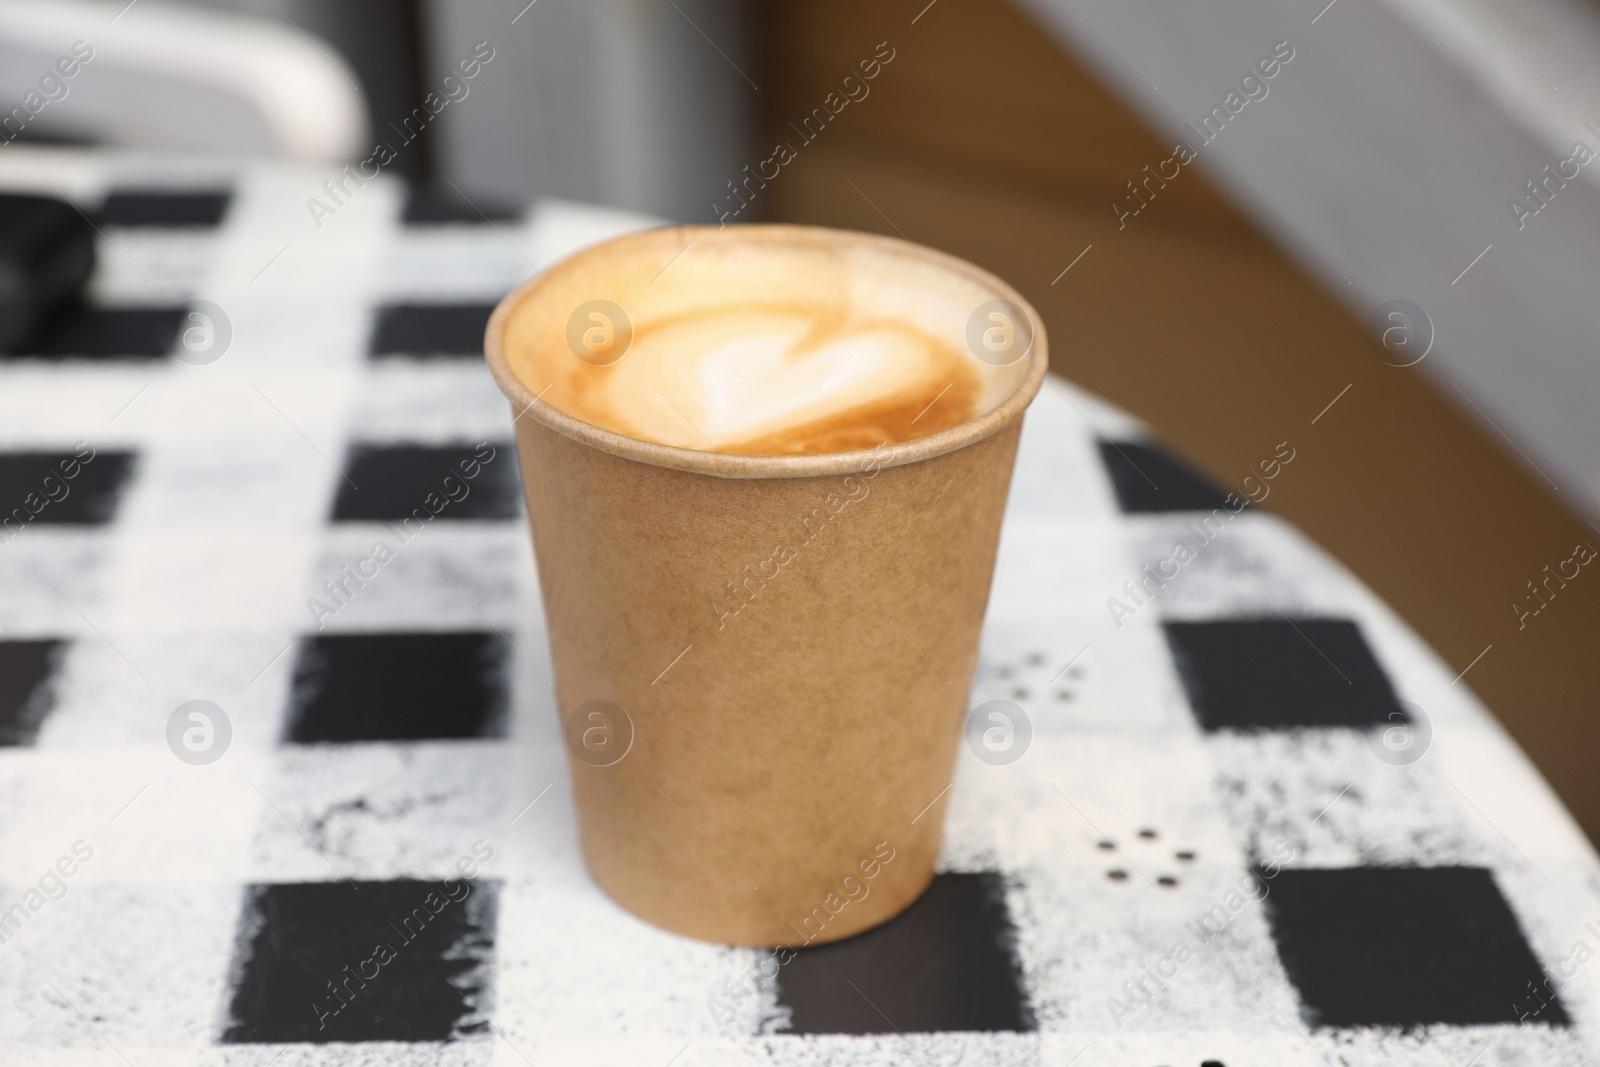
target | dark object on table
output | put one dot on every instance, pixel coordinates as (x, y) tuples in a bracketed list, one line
[(46, 256)]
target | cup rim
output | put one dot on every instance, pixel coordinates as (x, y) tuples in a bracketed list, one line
[(743, 465)]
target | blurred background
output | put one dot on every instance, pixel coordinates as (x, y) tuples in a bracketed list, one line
[(1382, 252)]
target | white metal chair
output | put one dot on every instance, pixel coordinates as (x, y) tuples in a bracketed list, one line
[(149, 74)]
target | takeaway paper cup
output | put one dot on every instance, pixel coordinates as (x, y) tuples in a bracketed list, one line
[(762, 663)]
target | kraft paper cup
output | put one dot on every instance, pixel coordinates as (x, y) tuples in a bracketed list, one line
[(775, 775)]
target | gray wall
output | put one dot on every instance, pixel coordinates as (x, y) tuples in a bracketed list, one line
[(619, 102), (640, 104), (1384, 159)]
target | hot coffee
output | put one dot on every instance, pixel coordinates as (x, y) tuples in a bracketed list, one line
[(766, 349), (764, 618)]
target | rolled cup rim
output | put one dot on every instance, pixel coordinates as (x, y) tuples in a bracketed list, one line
[(743, 465)]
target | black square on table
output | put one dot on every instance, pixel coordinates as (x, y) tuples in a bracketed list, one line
[(35, 489), (84, 331), (362, 961), (1147, 479), (430, 329), (27, 669), (425, 208), (392, 483), (1405, 946), (1252, 674), (398, 687), (164, 208), (948, 962)]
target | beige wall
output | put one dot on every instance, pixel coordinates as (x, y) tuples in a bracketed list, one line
[(981, 138)]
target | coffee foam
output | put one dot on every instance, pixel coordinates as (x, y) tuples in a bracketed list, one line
[(759, 340)]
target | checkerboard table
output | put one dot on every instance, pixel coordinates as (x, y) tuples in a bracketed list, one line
[(283, 780)]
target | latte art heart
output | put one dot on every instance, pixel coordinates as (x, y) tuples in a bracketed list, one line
[(763, 378), (777, 380), (766, 354)]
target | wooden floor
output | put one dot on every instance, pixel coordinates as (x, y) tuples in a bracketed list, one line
[(980, 137)]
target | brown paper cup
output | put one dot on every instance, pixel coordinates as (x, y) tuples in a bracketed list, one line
[(762, 662)]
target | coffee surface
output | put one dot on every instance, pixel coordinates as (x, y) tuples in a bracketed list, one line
[(757, 350)]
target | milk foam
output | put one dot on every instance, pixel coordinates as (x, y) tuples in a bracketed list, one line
[(765, 349)]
